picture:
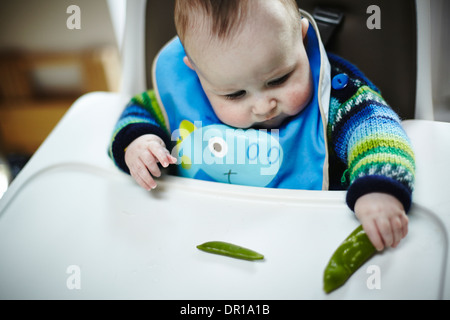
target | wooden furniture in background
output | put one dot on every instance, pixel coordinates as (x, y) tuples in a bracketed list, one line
[(36, 89)]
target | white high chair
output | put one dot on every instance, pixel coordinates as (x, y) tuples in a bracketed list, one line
[(73, 227)]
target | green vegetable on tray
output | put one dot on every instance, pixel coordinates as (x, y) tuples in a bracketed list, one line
[(230, 250), (348, 257)]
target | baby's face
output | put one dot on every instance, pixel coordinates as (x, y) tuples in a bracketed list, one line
[(259, 78)]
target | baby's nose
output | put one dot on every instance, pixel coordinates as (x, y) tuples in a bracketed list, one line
[(264, 106)]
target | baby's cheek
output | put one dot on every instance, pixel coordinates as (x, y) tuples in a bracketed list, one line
[(231, 116), (297, 100)]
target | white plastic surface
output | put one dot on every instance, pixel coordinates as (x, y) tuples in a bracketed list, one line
[(71, 207), (132, 244), (129, 27), (117, 11), (424, 97)]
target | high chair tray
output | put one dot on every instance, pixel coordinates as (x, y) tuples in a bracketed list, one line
[(73, 227), (128, 243)]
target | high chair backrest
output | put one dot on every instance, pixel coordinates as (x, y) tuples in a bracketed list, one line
[(386, 55), (379, 36)]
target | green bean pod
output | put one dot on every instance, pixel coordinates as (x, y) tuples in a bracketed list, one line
[(230, 250), (348, 257)]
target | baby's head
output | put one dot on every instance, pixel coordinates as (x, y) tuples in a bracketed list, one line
[(249, 56)]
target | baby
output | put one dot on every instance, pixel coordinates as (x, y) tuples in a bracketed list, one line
[(255, 65)]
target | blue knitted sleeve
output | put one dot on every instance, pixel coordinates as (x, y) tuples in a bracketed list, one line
[(366, 135)]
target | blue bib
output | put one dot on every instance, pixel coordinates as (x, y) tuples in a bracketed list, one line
[(292, 156)]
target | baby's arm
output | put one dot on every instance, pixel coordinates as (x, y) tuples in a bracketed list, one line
[(383, 219), (142, 157), (367, 136)]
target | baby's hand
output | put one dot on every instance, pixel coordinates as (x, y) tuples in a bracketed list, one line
[(383, 219), (142, 157)]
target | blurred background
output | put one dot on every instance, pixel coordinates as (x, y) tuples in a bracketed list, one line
[(45, 66)]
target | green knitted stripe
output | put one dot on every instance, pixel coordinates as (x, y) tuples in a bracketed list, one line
[(374, 142), (396, 152), (159, 115), (382, 158), (334, 107), (149, 102)]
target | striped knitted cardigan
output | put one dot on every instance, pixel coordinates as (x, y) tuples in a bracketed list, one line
[(368, 149)]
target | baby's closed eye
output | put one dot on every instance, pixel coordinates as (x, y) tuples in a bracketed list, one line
[(235, 95), (279, 81)]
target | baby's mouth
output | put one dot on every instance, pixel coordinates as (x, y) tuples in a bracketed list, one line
[(274, 114), (271, 117), (271, 121)]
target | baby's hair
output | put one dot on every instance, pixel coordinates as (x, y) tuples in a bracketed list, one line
[(225, 16)]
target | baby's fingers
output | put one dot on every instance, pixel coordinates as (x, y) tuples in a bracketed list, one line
[(374, 236), (386, 231), (141, 174), (163, 156), (151, 163), (399, 229)]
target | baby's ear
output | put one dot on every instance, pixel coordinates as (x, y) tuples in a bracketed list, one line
[(305, 26), (188, 62)]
